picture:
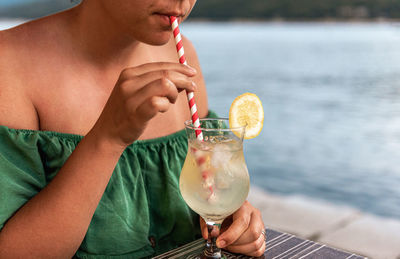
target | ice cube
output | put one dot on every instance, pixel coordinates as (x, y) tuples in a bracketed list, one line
[(218, 139), (223, 182), (225, 176), (220, 155), (212, 199)]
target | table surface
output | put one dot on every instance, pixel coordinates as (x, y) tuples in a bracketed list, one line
[(279, 246)]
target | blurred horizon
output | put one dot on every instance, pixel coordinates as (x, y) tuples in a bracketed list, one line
[(299, 10)]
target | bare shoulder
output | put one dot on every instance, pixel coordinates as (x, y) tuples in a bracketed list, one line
[(193, 60), (190, 53), (16, 108)]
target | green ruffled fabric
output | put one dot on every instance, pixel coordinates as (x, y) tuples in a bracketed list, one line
[(141, 213)]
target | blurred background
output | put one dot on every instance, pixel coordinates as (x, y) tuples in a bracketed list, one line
[(328, 74)]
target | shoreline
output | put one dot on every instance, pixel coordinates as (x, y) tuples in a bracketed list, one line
[(258, 20), (338, 226), (283, 20), (396, 22)]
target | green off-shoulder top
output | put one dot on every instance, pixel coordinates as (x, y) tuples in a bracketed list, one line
[(141, 213)]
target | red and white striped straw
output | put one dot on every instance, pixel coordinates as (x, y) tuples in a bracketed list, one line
[(182, 60), (208, 181)]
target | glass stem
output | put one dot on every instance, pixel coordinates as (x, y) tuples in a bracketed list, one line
[(212, 251)]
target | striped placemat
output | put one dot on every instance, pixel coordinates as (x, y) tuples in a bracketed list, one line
[(279, 246)]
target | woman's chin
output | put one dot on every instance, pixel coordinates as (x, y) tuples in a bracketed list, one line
[(159, 39)]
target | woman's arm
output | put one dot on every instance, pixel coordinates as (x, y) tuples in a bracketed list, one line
[(54, 222)]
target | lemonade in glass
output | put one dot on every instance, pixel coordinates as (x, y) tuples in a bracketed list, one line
[(214, 181)]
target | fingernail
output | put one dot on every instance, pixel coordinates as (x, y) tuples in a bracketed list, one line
[(205, 233), (221, 243), (192, 69), (194, 85), (169, 82)]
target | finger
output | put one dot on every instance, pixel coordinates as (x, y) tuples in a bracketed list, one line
[(180, 81), (131, 72), (241, 220), (254, 230), (161, 103), (162, 88), (260, 251), (203, 227), (150, 105), (149, 108), (205, 231), (248, 248)]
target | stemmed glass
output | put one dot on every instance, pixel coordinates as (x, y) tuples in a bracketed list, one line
[(214, 181)]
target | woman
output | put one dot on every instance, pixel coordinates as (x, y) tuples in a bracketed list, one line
[(105, 70)]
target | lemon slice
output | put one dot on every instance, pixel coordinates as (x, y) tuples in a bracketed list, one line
[(247, 109)]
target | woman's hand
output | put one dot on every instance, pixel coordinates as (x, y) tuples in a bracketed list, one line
[(139, 94), (241, 232)]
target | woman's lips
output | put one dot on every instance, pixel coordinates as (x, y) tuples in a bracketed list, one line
[(165, 18)]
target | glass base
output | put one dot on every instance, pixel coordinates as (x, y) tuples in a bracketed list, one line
[(202, 256), (212, 257), (211, 251)]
